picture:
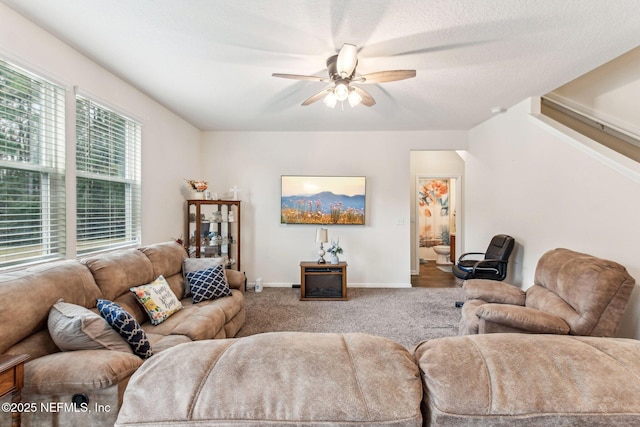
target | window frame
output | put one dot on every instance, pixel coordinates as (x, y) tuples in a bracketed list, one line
[(130, 177), (42, 125)]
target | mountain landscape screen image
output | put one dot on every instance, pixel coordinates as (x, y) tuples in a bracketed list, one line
[(323, 200)]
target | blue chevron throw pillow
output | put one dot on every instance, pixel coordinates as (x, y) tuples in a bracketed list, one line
[(127, 326), (210, 283)]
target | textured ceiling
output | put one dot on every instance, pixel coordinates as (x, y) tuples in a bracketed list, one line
[(210, 61)]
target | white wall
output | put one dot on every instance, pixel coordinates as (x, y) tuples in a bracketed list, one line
[(548, 191), (170, 145), (378, 253)]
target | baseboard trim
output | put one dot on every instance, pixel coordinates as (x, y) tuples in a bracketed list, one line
[(379, 285), (349, 285)]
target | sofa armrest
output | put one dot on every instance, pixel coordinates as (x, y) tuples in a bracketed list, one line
[(78, 371), (493, 291), (523, 318), (236, 280)]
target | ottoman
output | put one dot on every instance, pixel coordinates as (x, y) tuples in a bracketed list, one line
[(530, 380), (274, 379)]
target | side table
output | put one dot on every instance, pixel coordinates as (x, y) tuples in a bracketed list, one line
[(12, 380), (323, 282)]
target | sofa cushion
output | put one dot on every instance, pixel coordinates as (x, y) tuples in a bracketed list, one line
[(116, 272), (157, 299), (207, 284), (276, 379), (525, 379), (166, 258), (196, 321), (78, 371), (126, 326), (73, 327)]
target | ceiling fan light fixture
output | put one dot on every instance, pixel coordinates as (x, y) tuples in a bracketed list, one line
[(342, 73), (354, 98), (330, 100), (341, 91)]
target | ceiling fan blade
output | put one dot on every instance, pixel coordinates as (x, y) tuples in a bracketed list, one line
[(318, 96), (347, 60), (299, 77), (366, 98), (385, 76)]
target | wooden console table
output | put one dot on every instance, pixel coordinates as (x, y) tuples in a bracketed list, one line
[(12, 380), (323, 282)]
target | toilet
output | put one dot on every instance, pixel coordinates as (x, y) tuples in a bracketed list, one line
[(443, 254)]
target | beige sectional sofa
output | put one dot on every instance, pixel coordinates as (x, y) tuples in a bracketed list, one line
[(51, 375), (341, 380), (294, 378)]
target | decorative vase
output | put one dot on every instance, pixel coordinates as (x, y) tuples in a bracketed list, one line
[(197, 195), (334, 259)]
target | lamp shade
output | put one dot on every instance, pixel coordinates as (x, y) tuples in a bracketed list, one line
[(322, 235)]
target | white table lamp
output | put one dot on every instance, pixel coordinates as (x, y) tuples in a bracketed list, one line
[(322, 236)]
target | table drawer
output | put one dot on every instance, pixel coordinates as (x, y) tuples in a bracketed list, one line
[(7, 382)]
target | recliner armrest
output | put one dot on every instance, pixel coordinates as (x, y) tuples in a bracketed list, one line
[(523, 318), (236, 279), (493, 291)]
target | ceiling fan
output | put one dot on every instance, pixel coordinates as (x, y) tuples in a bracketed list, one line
[(343, 78)]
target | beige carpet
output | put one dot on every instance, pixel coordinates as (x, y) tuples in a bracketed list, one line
[(407, 316)]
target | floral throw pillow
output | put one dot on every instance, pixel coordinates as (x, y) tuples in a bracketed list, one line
[(158, 300), (210, 283), (126, 326)]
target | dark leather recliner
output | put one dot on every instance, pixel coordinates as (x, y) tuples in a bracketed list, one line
[(492, 266)]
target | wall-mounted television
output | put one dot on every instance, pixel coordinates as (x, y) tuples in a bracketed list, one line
[(324, 200)]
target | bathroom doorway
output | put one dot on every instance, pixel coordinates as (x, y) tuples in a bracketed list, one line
[(436, 225), (436, 219)]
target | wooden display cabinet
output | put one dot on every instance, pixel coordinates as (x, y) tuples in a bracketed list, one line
[(213, 230)]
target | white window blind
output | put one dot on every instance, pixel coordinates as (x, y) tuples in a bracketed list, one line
[(32, 188), (108, 178)]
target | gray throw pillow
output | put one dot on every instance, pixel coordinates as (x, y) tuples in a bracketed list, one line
[(73, 327)]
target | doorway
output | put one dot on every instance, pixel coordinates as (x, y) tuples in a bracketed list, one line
[(436, 206)]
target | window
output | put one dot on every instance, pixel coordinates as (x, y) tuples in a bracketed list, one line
[(32, 187), (108, 178)]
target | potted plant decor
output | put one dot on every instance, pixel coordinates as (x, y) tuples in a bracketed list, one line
[(334, 250), (197, 187)]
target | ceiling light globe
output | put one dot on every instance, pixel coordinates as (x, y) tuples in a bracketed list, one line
[(341, 91), (330, 100), (354, 98)]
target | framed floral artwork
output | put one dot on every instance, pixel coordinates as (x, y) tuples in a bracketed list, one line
[(325, 200)]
